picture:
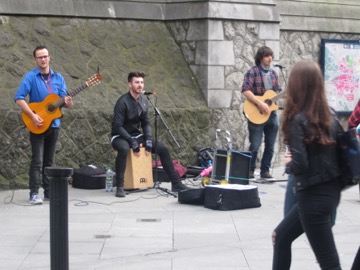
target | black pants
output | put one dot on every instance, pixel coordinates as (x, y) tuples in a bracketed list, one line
[(122, 147), (312, 215), (43, 147)]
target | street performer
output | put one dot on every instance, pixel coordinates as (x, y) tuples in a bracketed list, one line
[(131, 129), (257, 81)]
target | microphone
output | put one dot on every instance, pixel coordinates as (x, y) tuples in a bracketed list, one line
[(148, 93), (279, 66)]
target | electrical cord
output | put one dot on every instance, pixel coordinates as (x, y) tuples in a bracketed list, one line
[(10, 200)]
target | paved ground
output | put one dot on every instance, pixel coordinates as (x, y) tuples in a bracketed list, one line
[(147, 230)]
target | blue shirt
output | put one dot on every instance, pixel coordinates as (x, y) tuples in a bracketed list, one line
[(34, 86)]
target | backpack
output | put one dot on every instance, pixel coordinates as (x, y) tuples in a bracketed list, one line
[(205, 157), (349, 157)]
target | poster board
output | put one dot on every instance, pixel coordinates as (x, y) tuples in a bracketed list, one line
[(340, 63)]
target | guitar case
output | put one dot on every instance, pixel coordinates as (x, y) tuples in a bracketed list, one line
[(231, 197), (89, 177), (192, 196)]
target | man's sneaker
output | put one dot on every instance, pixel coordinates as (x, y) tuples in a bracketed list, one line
[(252, 176), (266, 178), (35, 199), (178, 187)]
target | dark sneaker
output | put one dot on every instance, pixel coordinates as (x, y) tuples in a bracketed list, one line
[(178, 187), (35, 199), (267, 176), (251, 176), (120, 192)]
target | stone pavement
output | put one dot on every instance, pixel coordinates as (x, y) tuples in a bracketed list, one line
[(147, 230)]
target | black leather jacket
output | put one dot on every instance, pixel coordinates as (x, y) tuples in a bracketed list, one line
[(312, 163), (127, 122)]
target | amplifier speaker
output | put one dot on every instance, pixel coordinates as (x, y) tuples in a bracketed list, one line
[(239, 166)]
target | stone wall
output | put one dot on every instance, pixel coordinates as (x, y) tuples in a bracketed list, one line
[(195, 52), (78, 47)]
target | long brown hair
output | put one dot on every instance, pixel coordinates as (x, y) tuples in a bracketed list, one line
[(306, 93)]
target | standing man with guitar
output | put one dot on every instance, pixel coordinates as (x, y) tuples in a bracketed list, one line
[(38, 84), (257, 81)]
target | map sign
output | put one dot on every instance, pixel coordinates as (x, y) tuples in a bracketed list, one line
[(340, 61)]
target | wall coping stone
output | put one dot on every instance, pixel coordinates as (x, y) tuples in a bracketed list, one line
[(145, 10)]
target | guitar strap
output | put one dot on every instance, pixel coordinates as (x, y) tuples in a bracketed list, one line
[(47, 82)]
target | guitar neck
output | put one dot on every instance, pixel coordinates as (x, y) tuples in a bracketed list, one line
[(278, 96), (95, 79), (73, 93)]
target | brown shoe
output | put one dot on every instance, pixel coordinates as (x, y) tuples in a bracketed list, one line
[(120, 192)]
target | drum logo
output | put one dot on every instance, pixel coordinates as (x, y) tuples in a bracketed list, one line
[(142, 180)]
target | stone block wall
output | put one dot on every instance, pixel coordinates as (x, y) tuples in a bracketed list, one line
[(195, 52), (78, 47)]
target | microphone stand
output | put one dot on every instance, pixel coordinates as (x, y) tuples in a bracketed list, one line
[(156, 182), (283, 76), (281, 108)]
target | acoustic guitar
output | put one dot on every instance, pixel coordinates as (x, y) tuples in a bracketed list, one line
[(252, 112), (50, 108)]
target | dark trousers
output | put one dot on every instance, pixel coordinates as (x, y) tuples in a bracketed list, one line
[(256, 132), (43, 147), (312, 215), (122, 147), (290, 198), (356, 263)]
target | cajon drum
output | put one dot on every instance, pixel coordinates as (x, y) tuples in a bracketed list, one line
[(138, 172)]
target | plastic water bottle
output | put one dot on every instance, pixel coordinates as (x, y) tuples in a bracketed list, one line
[(109, 180)]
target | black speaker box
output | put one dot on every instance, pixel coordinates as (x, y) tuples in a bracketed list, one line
[(239, 166)]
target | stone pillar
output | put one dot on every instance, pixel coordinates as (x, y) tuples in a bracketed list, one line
[(212, 54)]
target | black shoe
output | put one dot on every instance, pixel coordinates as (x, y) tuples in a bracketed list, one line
[(267, 176), (120, 192), (178, 187)]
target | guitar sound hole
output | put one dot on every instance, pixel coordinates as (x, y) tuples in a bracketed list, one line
[(51, 108), (268, 102)]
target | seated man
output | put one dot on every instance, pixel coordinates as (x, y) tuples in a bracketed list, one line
[(131, 114)]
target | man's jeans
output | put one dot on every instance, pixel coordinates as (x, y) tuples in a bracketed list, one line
[(43, 154), (269, 129)]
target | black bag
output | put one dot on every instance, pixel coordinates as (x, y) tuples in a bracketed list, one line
[(231, 197), (205, 157), (192, 196), (349, 157), (89, 177)]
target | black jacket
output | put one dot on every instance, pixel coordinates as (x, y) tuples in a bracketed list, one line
[(312, 163), (127, 122)]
